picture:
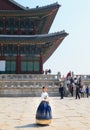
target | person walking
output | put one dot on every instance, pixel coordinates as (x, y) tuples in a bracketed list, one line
[(82, 91), (77, 91), (61, 91), (87, 91), (71, 89)]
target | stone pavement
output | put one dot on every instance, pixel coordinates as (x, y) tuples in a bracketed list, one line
[(68, 114)]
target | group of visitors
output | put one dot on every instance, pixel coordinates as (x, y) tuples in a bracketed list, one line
[(74, 84), (44, 112)]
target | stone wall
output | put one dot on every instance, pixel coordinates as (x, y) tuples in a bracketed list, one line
[(25, 92)]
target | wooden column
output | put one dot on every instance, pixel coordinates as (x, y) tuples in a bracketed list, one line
[(2, 51), (2, 57), (4, 28)]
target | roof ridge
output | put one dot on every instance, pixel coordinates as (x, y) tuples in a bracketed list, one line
[(16, 3), (45, 6), (56, 4), (53, 4)]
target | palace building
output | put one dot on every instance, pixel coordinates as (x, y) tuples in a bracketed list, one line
[(25, 41)]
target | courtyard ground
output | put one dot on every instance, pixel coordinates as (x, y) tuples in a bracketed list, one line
[(68, 113)]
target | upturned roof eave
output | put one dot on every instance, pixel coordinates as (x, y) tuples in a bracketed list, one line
[(24, 38), (54, 38)]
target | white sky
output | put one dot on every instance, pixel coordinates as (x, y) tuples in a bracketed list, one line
[(73, 53)]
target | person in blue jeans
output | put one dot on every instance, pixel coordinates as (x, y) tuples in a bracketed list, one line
[(87, 91)]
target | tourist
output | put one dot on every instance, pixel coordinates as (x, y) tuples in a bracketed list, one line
[(61, 91), (46, 71), (44, 113), (82, 91), (49, 71), (68, 75), (71, 89), (87, 91), (77, 91)]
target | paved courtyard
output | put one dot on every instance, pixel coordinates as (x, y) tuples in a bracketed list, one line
[(68, 114)]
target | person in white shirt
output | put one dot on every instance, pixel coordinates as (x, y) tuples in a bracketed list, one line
[(44, 113), (44, 94)]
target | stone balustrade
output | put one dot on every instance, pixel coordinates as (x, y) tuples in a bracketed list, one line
[(31, 84), (9, 77), (28, 84)]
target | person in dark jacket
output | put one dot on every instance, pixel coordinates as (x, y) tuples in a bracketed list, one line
[(77, 91), (61, 91)]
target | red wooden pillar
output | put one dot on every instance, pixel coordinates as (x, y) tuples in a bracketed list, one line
[(18, 62), (4, 28), (2, 52)]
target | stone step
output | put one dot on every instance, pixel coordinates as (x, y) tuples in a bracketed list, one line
[(25, 92)]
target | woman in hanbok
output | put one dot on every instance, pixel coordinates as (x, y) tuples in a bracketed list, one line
[(44, 113)]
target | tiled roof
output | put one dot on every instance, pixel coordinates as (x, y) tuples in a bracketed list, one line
[(37, 7), (17, 4), (49, 41), (48, 7), (23, 38)]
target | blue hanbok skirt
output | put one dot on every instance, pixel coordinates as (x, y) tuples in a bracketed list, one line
[(44, 113)]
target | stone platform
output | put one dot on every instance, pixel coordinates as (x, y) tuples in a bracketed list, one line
[(68, 114), (25, 85)]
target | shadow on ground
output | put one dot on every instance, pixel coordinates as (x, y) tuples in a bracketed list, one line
[(31, 126)]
